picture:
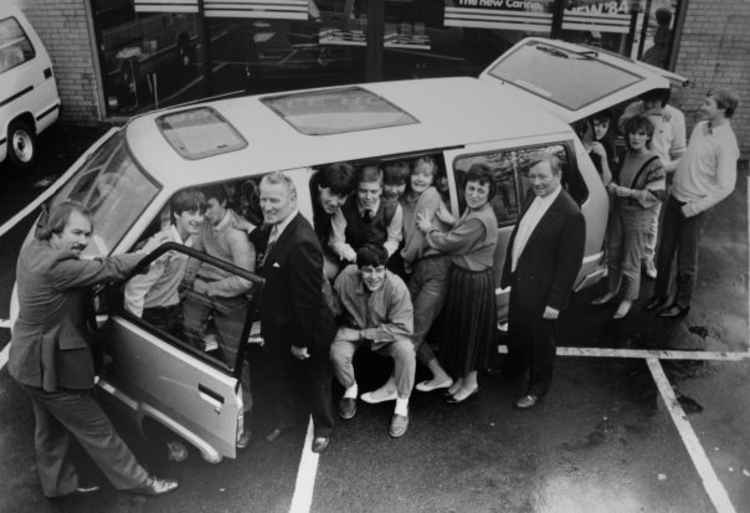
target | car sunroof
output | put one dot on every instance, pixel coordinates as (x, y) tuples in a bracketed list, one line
[(199, 133), (335, 111)]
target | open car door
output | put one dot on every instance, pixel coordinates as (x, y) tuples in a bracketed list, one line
[(573, 81), (160, 373)]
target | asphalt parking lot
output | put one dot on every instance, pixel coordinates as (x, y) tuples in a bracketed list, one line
[(603, 440)]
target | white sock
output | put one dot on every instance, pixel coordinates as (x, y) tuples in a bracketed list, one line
[(352, 392), (402, 407)]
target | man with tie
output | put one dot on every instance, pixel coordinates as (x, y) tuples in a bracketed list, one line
[(296, 322), (368, 220), (541, 264)]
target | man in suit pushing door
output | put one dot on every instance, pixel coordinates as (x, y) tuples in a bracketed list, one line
[(541, 264)]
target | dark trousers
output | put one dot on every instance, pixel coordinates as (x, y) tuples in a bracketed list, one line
[(63, 413), (679, 234), (302, 387), (531, 346)]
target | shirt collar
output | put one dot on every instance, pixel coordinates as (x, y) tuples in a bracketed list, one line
[(716, 129), (281, 226), (361, 209), (549, 198), (224, 223)]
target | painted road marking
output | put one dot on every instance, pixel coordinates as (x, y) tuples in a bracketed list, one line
[(606, 352), (715, 490), (4, 355), (308, 469)]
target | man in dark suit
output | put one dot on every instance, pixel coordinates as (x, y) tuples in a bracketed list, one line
[(296, 322), (541, 264), (51, 358)]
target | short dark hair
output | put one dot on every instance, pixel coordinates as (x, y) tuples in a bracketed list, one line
[(55, 220), (660, 95), (663, 16), (636, 124), (187, 200), (369, 173), (216, 192), (482, 173), (726, 100), (396, 173), (371, 254), (602, 115), (338, 177)]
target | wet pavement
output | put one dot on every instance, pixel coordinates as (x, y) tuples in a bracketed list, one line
[(601, 441)]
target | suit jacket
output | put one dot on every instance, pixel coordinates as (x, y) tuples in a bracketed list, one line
[(550, 261), (50, 347), (293, 311)]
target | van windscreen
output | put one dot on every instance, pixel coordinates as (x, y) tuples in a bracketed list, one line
[(337, 111), (199, 133)]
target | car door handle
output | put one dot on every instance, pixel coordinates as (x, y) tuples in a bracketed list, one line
[(211, 397)]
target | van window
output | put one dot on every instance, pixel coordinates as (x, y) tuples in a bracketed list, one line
[(570, 79), (337, 111), (15, 47), (510, 170), (114, 189)]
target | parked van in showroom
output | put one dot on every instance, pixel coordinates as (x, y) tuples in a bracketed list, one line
[(519, 108), (29, 103)]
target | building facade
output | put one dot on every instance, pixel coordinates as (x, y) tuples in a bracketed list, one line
[(116, 58)]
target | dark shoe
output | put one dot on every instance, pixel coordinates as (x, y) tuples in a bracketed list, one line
[(320, 444), (156, 486), (527, 401), (275, 433), (347, 408), (85, 489), (452, 399), (674, 311), (244, 440), (655, 303)]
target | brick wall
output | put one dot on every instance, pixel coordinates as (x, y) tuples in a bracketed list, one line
[(63, 26), (714, 52)]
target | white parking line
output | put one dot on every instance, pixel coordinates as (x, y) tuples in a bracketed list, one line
[(4, 355), (606, 352), (308, 469), (715, 490)]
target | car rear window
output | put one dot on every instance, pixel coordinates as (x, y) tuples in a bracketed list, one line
[(199, 133), (571, 79), (15, 47), (337, 111)]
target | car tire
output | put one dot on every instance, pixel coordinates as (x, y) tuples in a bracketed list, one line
[(21, 144)]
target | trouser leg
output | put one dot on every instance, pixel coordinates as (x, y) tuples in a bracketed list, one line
[(318, 388), (195, 310), (342, 355), (519, 350), (427, 287), (82, 416), (615, 245), (687, 258), (52, 442), (404, 366), (634, 242), (651, 234), (668, 235), (543, 356)]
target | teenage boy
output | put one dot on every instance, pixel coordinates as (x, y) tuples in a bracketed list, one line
[(705, 175), (378, 314), (368, 220)]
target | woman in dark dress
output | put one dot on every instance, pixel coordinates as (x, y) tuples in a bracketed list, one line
[(470, 313)]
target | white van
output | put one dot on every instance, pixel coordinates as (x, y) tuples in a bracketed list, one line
[(506, 118), (29, 102)]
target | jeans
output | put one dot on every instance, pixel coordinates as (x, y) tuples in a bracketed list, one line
[(427, 286), (679, 234)]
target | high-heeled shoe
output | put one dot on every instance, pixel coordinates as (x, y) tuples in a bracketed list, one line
[(603, 300), (452, 399), (622, 310)]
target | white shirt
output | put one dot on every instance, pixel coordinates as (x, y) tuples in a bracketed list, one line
[(528, 223), (707, 173), (278, 228)]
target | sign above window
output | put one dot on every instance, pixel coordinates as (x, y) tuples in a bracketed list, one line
[(269, 9)]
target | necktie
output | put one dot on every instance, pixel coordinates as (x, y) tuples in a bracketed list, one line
[(367, 216), (272, 238)]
